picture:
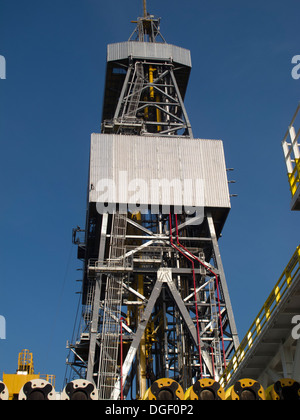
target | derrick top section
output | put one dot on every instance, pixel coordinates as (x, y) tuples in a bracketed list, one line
[(147, 30), (147, 48), (147, 42), (162, 52)]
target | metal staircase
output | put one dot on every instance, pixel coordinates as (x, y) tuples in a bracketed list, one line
[(134, 96), (112, 310)]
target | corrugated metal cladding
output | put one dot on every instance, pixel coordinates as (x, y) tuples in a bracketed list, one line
[(149, 50), (132, 166)]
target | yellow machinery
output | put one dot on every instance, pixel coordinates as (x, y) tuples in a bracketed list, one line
[(284, 389), (205, 389), (25, 373), (164, 389), (246, 390)]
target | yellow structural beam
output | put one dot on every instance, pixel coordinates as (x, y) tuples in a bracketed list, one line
[(152, 95), (151, 80)]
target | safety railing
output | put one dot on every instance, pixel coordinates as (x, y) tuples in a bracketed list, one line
[(25, 363), (111, 265), (49, 378), (291, 272), (291, 150), (294, 177)]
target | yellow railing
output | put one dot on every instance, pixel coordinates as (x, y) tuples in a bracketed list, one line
[(282, 286), (294, 177), (25, 362), (49, 378)]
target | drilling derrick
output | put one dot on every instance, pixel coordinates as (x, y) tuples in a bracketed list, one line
[(155, 302)]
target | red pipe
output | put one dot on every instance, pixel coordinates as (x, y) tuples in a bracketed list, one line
[(196, 305), (217, 287)]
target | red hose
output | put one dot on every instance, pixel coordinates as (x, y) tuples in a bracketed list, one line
[(196, 305), (217, 287)]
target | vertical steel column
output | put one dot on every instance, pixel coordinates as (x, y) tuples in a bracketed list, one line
[(123, 91), (189, 127), (137, 337), (164, 276), (223, 282)]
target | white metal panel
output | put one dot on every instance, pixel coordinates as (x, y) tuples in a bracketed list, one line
[(133, 161), (215, 172), (150, 50)]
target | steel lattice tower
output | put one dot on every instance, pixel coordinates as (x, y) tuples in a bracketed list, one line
[(158, 200)]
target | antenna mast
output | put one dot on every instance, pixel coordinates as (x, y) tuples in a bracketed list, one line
[(147, 29)]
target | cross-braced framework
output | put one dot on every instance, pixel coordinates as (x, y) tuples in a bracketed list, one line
[(185, 328), (150, 101), (179, 321)]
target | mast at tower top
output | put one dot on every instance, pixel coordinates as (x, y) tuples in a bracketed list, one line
[(147, 29)]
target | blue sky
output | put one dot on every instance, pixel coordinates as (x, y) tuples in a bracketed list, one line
[(241, 91)]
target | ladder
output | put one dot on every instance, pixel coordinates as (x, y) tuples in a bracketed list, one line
[(112, 310), (134, 97), (87, 312)]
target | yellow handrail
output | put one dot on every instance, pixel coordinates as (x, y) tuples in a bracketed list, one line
[(49, 378), (291, 271), (25, 362), (294, 177)]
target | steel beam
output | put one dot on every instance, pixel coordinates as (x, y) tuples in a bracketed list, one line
[(223, 282), (164, 276)]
